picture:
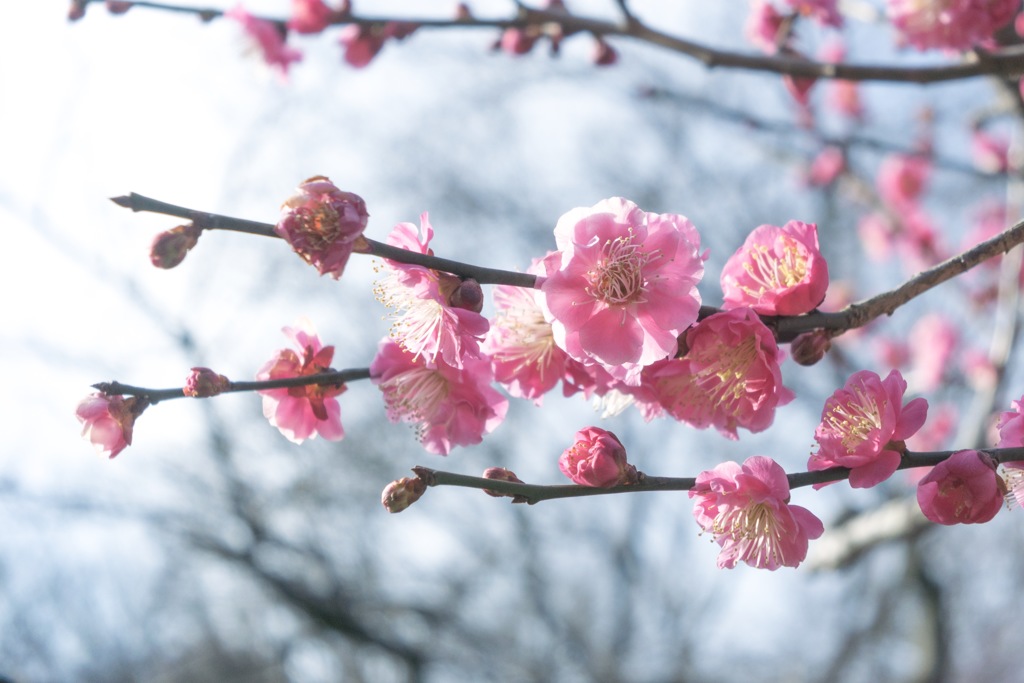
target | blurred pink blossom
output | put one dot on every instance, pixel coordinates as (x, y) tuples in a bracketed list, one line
[(362, 42), (626, 286), (302, 412), (729, 377), (863, 426), (764, 25), (902, 179), (597, 458), (825, 12), (108, 421), (427, 322), (449, 406), (931, 353), (777, 271), (955, 25), (270, 38), (311, 16), (1011, 426), (746, 507), (323, 224), (990, 152), (826, 166), (963, 489)]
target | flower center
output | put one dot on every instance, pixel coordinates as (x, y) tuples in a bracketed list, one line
[(855, 420), (719, 380), (618, 276), (526, 336), (414, 395), (755, 530), (320, 225), (776, 269)]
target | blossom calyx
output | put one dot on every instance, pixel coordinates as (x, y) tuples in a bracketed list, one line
[(323, 224), (204, 383), (401, 493), (170, 247), (597, 458), (962, 489)]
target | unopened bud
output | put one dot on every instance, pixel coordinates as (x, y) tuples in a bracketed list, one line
[(810, 347), (500, 474), (604, 54), (77, 10), (169, 248), (468, 295), (204, 383), (462, 12), (117, 7), (402, 493)]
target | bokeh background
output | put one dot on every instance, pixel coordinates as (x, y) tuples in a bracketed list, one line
[(215, 550)]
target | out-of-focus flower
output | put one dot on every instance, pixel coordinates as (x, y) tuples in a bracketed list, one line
[(764, 27), (824, 12), (747, 509), (597, 458), (932, 353), (729, 377), (1011, 426), (449, 406), (302, 412), (108, 421), (626, 286), (962, 489), (990, 153), (323, 224), (902, 178), (401, 493), (426, 323), (205, 383), (268, 36), (942, 425), (799, 88), (863, 427), (170, 247), (777, 271), (604, 54), (310, 16), (362, 42), (77, 10), (950, 24), (826, 167)]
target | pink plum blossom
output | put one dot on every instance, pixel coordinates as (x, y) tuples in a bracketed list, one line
[(427, 320), (268, 36), (626, 286), (521, 344), (323, 224), (863, 427), (955, 25), (777, 271), (108, 421), (302, 412), (449, 406), (597, 458), (962, 489), (931, 355), (826, 167), (990, 152), (902, 179), (824, 12), (1011, 426), (310, 16), (729, 377), (764, 26), (746, 507)]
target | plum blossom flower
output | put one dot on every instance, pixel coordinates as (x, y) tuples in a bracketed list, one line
[(521, 344), (449, 406), (597, 458), (729, 377), (902, 179), (962, 489), (323, 224), (302, 412), (747, 509), (268, 36), (932, 356), (626, 286), (108, 421), (864, 425), (826, 166), (777, 271), (310, 16), (430, 319), (949, 24)]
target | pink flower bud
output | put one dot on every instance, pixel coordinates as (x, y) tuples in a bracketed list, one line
[(963, 489), (500, 474), (517, 41), (204, 383), (107, 421), (604, 54), (810, 347), (467, 295), (597, 458), (402, 493), (323, 224), (170, 247), (462, 12), (310, 16)]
